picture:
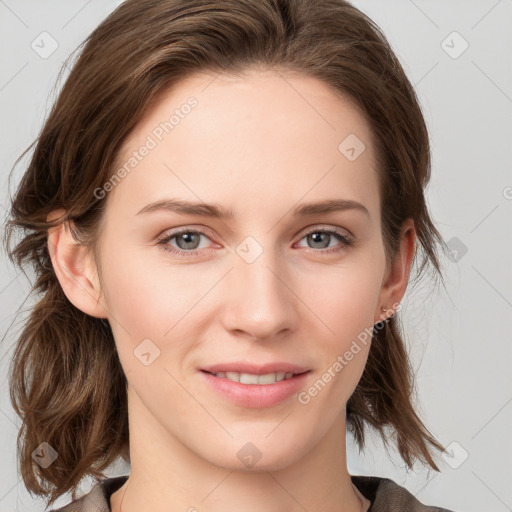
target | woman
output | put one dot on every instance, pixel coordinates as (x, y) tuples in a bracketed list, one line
[(223, 209)]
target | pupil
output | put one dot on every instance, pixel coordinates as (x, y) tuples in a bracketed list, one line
[(188, 237), (316, 237)]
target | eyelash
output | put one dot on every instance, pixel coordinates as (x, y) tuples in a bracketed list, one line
[(164, 241)]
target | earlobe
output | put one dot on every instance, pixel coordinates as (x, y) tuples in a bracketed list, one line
[(397, 277), (74, 267)]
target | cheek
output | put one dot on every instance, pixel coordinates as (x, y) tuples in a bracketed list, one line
[(344, 298), (349, 315), (146, 301)]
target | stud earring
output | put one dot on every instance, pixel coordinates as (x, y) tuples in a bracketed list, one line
[(384, 309)]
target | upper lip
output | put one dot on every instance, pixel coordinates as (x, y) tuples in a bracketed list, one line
[(255, 369)]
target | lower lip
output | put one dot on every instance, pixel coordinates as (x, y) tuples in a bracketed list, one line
[(257, 396)]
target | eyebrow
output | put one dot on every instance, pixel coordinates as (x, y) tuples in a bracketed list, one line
[(220, 212)]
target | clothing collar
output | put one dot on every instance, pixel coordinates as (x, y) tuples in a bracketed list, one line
[(384, 494)]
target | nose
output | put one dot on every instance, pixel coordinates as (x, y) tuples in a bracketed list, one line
[(260, 300)]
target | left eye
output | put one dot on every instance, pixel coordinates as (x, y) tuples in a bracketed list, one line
[(188, 241)]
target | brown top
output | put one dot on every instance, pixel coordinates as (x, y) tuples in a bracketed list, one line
[(384, 494)]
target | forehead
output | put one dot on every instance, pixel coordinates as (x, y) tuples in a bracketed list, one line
[(242, 139)]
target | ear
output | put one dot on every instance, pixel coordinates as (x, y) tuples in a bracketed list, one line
[(397, 273), (74, 267)]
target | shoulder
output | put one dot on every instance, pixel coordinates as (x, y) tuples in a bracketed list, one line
[(97, 499), (387, 496)]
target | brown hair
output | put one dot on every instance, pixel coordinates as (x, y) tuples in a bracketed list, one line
[(67, 384)]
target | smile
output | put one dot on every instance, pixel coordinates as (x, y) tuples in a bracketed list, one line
[(251, 378), (255, 390)]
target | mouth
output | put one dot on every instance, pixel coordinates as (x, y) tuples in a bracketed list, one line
[(263, 386), (252, 378)]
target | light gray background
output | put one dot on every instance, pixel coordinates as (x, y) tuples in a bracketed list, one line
[(459, 338)]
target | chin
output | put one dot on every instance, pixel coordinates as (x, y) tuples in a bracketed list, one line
[(256, 453)]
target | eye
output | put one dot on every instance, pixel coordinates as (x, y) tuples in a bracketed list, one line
[(320, 238), (187, 240)]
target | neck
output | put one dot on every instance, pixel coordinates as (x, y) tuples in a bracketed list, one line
[(167, 475)]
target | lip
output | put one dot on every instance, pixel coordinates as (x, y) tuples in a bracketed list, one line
[(243, 367), (256, 396)]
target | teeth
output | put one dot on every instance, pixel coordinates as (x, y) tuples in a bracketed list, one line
[(249, 378)]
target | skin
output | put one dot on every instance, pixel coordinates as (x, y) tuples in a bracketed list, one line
[(259, 144)]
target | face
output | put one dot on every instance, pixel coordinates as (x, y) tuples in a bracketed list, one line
[(272, 283)]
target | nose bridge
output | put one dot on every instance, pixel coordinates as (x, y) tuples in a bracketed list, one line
[(260, 302)]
